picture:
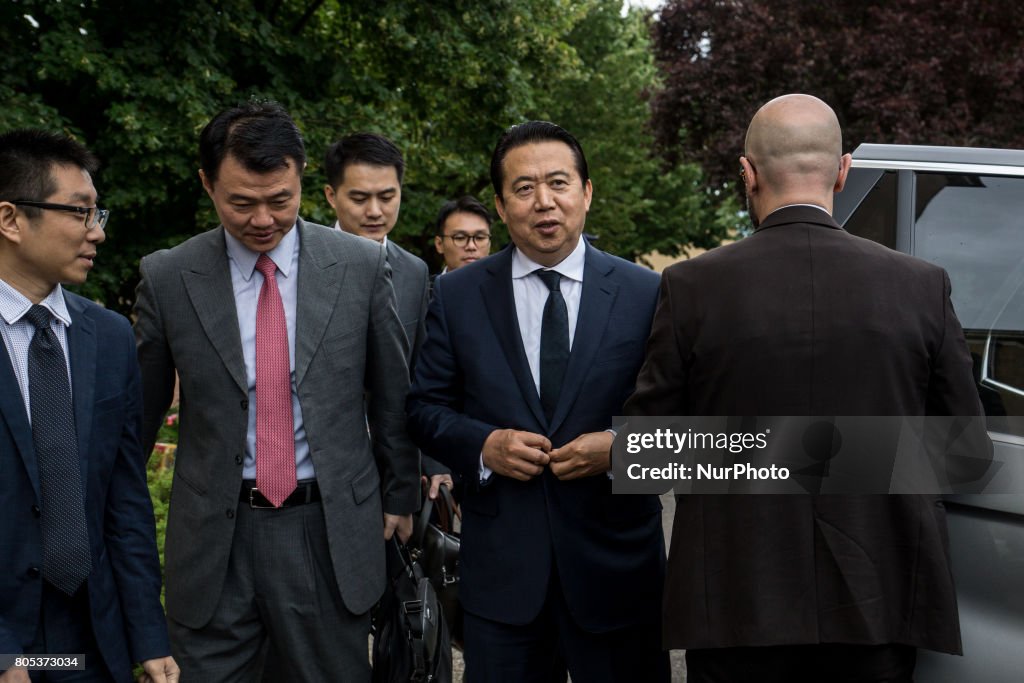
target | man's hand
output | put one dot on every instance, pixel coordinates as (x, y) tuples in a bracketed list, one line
[(515, 454), (438, 480), (584, 456), (15, 676), (400, 523), (162, 670)]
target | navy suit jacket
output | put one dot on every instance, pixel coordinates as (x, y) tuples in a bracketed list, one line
[(472, 377), (124, 585)]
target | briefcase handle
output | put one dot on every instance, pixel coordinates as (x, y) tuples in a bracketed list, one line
[(446, 509)]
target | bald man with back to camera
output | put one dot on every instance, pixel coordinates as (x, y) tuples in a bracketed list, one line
[(802, 318)]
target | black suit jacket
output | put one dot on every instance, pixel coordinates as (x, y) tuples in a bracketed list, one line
[(802, 318), (124, 585), (472, 377)]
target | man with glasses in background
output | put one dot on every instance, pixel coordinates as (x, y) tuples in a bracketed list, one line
[(463, 232), (81, 579)]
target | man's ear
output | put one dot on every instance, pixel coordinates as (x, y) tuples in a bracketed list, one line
[(10, 229), (748, 174), (329, 194), (499, 206), (844, 170), (207, 184), (438, 244)]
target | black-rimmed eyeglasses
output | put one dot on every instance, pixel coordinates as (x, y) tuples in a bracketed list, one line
[(94, 216), (461, 239)]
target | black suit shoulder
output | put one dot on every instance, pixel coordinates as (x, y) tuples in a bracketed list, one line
[(787, 242)]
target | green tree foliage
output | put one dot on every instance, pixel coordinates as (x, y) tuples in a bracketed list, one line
[(939, 72), (137, 81)]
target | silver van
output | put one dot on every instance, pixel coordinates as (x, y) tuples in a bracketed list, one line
[(963, 209)]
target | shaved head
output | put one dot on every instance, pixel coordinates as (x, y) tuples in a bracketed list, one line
[(795, 140)]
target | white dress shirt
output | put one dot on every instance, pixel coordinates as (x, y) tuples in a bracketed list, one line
[(247, 282), (18, 332), (531, 294)]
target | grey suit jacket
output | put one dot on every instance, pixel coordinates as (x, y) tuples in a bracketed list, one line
[(349, 345), (411, 279)]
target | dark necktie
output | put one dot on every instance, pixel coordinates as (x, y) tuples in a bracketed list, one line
[(66, 559), (554, 343), (275, 423)]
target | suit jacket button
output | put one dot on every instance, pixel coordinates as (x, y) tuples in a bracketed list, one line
[(245, 404), (34, 572), (36, 511), (230, 514), (238, 460)]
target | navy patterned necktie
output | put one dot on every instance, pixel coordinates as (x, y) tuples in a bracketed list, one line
[(554, 343), (66, 559)]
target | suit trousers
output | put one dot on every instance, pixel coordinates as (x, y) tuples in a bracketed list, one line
[(833, 662), (280, 589), (543, 650), (64, 629)]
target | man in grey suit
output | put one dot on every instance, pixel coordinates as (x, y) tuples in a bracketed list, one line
[(364, 187), (281, 500)]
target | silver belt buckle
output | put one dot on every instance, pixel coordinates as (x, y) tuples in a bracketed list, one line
[(253, 504)]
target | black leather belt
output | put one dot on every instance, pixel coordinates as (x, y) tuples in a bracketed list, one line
[(305, 492)]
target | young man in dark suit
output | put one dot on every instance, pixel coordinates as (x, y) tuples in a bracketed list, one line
[(802, 318), (364, 187), (81, 575), (528, 356)]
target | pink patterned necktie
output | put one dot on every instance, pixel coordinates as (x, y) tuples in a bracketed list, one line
[(275, 427)]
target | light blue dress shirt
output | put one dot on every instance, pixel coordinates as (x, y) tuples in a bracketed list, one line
[(247, 282), (18, 332)]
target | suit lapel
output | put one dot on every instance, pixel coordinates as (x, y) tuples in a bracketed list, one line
[(599, 292), (82, 351), (209, 289), (500, 305), (12, 410), (319, 287)]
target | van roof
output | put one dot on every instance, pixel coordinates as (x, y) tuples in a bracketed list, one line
[(926, 157)]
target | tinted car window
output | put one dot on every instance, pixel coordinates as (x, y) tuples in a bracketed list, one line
[(969, 224), (875, 218)]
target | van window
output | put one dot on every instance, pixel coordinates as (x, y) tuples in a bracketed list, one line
[(971, 225), (875, 218)]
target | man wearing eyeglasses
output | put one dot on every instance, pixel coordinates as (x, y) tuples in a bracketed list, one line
[(364, 187), (463, 232), (81, 575)]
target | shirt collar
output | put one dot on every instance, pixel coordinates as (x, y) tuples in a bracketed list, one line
[(790, 206), (14, 305), (245, 258), (570, 267), (337, 226)]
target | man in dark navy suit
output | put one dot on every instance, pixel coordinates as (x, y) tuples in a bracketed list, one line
[(80, 574), (528, 356)]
